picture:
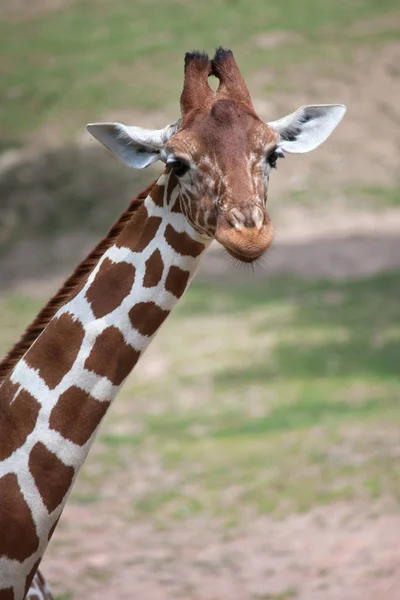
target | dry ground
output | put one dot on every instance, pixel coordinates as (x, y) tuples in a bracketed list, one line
[(337, 552)]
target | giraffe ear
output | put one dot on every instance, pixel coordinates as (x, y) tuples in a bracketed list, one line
[(309, 126), (134, 146)]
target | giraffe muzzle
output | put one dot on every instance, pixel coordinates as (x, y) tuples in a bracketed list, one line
[(246, 234)]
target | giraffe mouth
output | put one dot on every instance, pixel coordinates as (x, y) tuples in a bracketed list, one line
[(245, 258)]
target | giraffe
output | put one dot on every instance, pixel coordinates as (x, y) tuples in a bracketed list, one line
[(59, 380)]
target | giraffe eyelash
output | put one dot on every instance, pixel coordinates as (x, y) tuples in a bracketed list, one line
[(273, 156), (179, 167)]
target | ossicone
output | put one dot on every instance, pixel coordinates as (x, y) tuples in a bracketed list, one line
[(231, 82), (196, 92)]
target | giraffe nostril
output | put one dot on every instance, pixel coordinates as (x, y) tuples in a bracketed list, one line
[(257, 216), (236, 218)]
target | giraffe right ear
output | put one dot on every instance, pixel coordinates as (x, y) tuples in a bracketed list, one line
[(309, 126), (135, 147)]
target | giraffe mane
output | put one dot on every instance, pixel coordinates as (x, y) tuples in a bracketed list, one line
[(69, 286)]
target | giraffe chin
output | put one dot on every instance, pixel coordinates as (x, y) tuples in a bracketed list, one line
[(244, 258)]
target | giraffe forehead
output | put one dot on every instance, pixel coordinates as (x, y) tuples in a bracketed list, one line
[(226, 133)]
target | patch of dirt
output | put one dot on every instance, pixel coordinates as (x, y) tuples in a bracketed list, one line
[(335, 553)]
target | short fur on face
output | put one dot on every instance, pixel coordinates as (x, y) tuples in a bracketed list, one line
[(226, 146)]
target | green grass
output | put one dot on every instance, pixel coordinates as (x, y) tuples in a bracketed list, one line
[(356, 195), (266, 398), (376, 196), (72, 64)]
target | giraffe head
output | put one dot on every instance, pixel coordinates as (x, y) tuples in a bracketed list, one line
[(221, 152)]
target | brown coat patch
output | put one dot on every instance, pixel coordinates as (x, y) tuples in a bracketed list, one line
[(176, 208), (111, 285), (76, 415), (7, 594), (139, 232), (18, 539), (177, 280), (55, 351), (17, 418), (132, 232), (148, 234), (147, 317), (8, 391), (111, 356), (52, 477), (157, 195), (154, 270), (183, 243), (172, 183)]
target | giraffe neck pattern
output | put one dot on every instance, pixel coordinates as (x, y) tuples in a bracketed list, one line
[(53, 401)]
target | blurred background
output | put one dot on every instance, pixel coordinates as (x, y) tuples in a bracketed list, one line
[(254, 454)]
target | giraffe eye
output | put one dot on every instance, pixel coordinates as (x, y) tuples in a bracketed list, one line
[(179, 167), (272, 158)]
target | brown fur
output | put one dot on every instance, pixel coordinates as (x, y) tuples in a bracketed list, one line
[(67, 289), (196, 92), (18, 539), (223, 136), (197, 95), (231, 82)]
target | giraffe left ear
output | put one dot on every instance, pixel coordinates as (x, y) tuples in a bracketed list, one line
[(134, 146), (309, 126)]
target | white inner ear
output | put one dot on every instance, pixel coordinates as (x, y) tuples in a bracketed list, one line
[(135, 147), (309, 126)]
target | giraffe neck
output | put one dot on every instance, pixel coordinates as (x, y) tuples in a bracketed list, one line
[(54, 399)]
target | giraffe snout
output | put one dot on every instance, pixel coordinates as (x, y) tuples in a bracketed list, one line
[(246, 233)]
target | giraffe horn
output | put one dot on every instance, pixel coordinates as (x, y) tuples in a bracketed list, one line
[(196, 92), (231, 84)]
